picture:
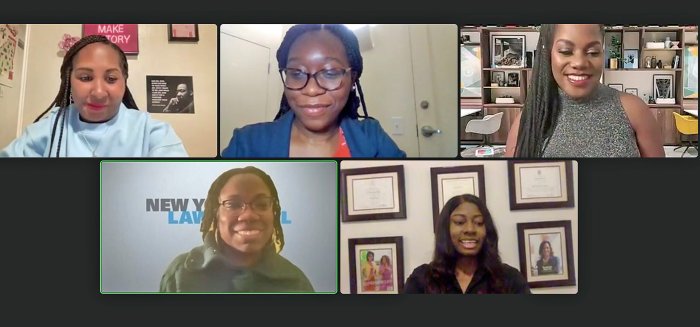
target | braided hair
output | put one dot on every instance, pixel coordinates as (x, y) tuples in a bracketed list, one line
[(352, 49), (543, 105), (442, 268), (211, 204), (64, 99)]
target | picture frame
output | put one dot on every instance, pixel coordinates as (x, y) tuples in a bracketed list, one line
[(540, 184), (631, 90), (542, 269), (447, 182), (498, 77), (663, 86), (508, 51), (618, 87), (690, 72), (183, 32), (513, 79), (373, 193), (379, 276), (631, 59), (470, 70)]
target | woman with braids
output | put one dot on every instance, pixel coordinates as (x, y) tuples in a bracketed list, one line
[(320, 66), (568, 113), (466, 259), (92, 114), (242, 236)]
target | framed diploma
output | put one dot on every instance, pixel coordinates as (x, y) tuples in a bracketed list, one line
[(373, 193), (448, 182), (546, 253), (540, 184), (376, 265)]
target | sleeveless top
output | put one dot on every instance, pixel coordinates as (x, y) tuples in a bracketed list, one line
[(594, 127)]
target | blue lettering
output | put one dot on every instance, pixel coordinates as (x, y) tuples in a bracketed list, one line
[(197, 216), (171, 218), (283, 218), (185, 218)]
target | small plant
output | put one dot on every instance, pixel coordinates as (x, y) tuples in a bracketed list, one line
[(615, 46)]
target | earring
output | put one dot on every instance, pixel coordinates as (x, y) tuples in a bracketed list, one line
[(71, 98)]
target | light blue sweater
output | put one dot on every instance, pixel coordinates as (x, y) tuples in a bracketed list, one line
[(131, 133)]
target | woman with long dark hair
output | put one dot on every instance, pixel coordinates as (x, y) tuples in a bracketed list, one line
[(466, 258), (569, 113)]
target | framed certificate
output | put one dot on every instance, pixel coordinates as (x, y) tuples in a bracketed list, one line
[(448, 182), (376, 265), (540, 184), (546, 253), (373, 193)]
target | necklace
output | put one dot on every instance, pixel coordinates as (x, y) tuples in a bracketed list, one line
[(89, 145)]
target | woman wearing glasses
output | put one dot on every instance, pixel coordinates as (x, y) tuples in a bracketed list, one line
[(242, 237), (320, 66)]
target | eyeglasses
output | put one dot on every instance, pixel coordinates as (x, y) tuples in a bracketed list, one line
[(327, 79), (258, 205)]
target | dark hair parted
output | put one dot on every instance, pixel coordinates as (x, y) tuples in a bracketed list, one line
[(211, 204), (352, 49), (442, 269), (543, 105), (551, 250), (63, 98)]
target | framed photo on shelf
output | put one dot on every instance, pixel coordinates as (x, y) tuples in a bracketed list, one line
[(376, 265), (616, 86), (632, 91), (447, 182), (540, 184), (513, 79), (373, 193), (183, 32), (631, 59), (546, 253), (663, 86), (508, 51), (498, 77)]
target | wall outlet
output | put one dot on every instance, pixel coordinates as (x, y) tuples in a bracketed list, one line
[(397, 125)]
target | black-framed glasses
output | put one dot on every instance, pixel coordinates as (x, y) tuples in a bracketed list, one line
[(328, 79), (258, 205)]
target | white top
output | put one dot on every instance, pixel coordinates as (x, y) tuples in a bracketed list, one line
[(130, 133)]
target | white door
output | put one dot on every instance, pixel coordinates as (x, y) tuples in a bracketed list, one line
[(244, 71), (434, 49), (407, 68)]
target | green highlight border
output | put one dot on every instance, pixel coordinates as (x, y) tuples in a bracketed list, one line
[(337, 210)]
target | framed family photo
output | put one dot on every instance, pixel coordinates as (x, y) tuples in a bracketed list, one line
[(183, 32), (376, 265), (546, 253), (373, 193), (447, 182), (540, 184)]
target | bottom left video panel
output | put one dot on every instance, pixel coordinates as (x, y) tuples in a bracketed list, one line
[(218, 227)]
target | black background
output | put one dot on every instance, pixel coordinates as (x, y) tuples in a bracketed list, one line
[(638, 218)]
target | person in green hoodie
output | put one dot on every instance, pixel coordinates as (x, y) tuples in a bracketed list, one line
[(243, 237)]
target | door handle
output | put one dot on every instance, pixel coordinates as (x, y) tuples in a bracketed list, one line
[(428, 131)]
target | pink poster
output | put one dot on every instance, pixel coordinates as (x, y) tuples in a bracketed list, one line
[(126, 36)]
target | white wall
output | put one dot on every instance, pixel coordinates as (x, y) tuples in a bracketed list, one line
[(157, 56), (10, 97), (417, 229)]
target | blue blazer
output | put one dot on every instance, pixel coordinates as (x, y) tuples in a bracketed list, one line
[(365, 138)]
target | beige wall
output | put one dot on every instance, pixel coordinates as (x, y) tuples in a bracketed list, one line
[(417, 228), (10, 97), (156, 56)]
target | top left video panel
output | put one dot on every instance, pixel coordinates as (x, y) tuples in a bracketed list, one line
[(108, 90)]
